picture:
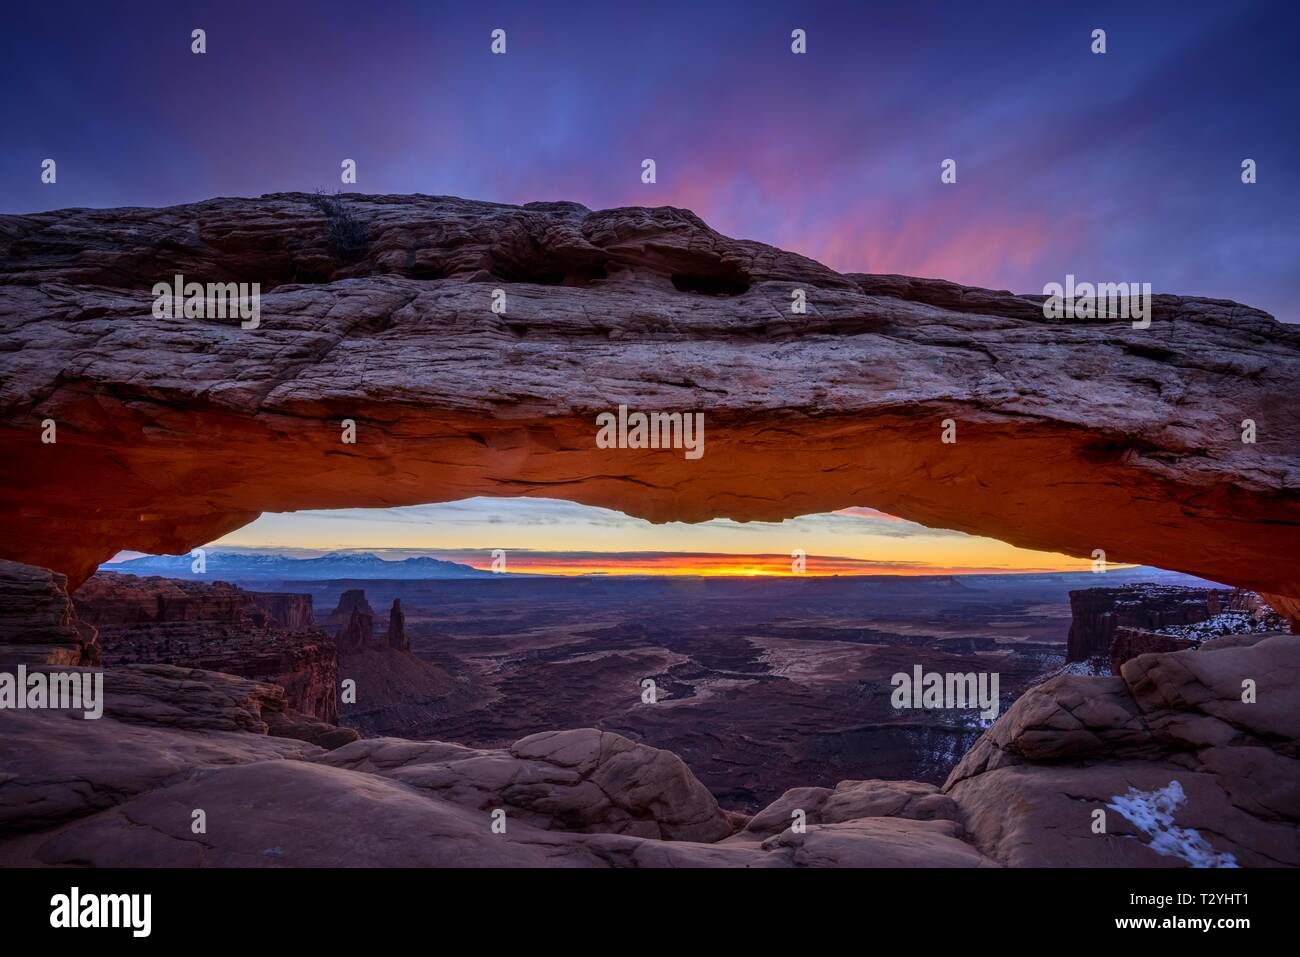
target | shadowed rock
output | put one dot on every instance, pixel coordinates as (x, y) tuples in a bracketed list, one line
[(353, 622), (38, 622), (1184, 771), (214, 626), (1072, 436), (584, 780), (397, 637)]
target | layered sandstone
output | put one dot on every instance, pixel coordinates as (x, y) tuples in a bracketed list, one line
[(352, 622), (292, 612), (1098, 613), (38, 623), (214, 626), (1131, 642), (1100, 617), (1072, 436)]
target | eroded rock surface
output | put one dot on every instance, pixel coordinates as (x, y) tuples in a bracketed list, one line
[(352, 622), (38, 622), (1185, 772), (854, 800), (1185, 769), (584, 780), (1099, 614), (215, 626), (1072, 436)]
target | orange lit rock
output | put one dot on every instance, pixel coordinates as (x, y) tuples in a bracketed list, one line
[(1072, 436)]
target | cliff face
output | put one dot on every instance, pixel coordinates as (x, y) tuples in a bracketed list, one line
[(289, 611), (397, 637), (1097, 613), (171, 432), (110, 599), (1120, 623), (352, 622), (1131, 642), (38, 623), (216, 627)]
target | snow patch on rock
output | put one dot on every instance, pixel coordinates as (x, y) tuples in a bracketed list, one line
[(1153, 813)]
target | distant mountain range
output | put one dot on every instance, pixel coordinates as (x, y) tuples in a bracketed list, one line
[(367, 566), (244, 566)]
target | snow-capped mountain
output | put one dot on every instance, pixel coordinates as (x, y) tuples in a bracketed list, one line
[(250, 565)]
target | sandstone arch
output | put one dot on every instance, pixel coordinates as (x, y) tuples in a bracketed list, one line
[(1072, 436)]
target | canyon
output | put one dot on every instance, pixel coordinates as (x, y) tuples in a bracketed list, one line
[(282, 789), (214, 627), (1099, 615), (122, 430)]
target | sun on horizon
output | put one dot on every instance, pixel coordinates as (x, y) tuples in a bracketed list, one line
[(554, 537)]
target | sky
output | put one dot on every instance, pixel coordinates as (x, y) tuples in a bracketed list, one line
[(564, 538), (1122, 166)]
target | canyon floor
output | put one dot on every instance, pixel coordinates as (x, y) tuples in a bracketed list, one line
[(761, 684), (195, 767)]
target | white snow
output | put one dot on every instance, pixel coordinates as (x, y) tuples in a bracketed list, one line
[(1153, 813)]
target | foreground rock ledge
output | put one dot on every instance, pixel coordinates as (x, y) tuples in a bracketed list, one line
[(1072, 436), (1171, 735), (1185, 769)]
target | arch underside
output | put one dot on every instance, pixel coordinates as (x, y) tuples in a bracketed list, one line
[(1070, 437)]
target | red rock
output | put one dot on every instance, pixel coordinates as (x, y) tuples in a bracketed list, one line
[(1131, 642), (214, 626), (353, 622), (172, 432), (397, 637), (117, 791), (1097, 613), (1174, 725), (38, 623), (289, 611)]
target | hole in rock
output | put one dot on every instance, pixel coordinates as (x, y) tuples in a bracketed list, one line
[(771, 647)]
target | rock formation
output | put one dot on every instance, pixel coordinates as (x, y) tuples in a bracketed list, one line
[(397, 637), (1097, 613), (290, 611), (584, 781), (356, 634), (1171, 734), (214, 626), (1072, 435), (1184, 771), (38, 623), (114, 599), (1131, 642), (352, 622), (1115, 624), (1186, 768)]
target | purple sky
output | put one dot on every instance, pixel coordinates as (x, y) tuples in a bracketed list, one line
[(1124, 166)]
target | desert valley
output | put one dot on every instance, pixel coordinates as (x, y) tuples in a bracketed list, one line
[(1138, 717)]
